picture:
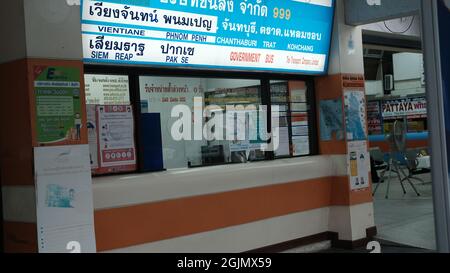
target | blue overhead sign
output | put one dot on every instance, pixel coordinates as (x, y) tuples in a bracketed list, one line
[(246, 35)]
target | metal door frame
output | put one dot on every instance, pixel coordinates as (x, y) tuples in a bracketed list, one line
[(436, 120)]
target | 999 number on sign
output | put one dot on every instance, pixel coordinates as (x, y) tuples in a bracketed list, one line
[(282, 14)]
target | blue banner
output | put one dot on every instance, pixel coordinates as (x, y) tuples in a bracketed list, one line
[(247, 35)]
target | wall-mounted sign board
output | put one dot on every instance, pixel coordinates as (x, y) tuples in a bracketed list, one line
[(407, 107), (246, 35), (57, 106)]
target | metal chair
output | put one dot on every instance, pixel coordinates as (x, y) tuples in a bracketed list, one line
[(397, 142), (378, 156), (411, 164)]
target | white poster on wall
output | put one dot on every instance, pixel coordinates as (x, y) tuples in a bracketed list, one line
[(300, 131), (358, 161), (64, 201), (106, 89), (116, 136), (356, 115), (283, 140), (300, 145), (298, 95)]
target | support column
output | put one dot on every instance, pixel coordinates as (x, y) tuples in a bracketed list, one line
[(343, 134), (45, 44)]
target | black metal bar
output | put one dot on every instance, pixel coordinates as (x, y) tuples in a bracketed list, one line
[(392, 42), (312, 117), (194, 73), (266, 100), (2, 230), (135, 99)]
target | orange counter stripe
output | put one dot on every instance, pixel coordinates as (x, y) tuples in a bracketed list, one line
[(146, 223)]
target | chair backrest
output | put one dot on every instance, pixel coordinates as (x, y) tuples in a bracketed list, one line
[(377, 154), (411, 156)]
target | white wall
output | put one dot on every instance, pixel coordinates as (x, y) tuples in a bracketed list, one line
[(346, 55), (408, 74), (40, 29), (374, 88), (12, 31), (408, 66), (53, 29)]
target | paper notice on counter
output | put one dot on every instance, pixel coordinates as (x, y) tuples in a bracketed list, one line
[(64, 200)]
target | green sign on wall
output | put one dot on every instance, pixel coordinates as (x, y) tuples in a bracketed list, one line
[(58, 104)]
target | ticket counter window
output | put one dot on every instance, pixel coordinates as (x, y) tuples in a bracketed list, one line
[(210, 105), (188, 122)]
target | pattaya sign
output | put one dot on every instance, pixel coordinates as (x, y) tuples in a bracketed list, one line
[(269, 35), (410, 107)]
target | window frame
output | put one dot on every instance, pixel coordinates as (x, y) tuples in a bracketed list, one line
[(134, 72)]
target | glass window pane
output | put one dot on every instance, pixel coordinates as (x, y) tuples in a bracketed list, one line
[(205, 102), (240, 95), (280, 98), (299, 118), (291, 99)]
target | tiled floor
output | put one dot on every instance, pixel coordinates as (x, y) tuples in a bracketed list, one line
[(405, 223), (406, 219)]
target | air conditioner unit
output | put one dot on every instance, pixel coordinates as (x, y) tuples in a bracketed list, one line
[(388, 83)]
